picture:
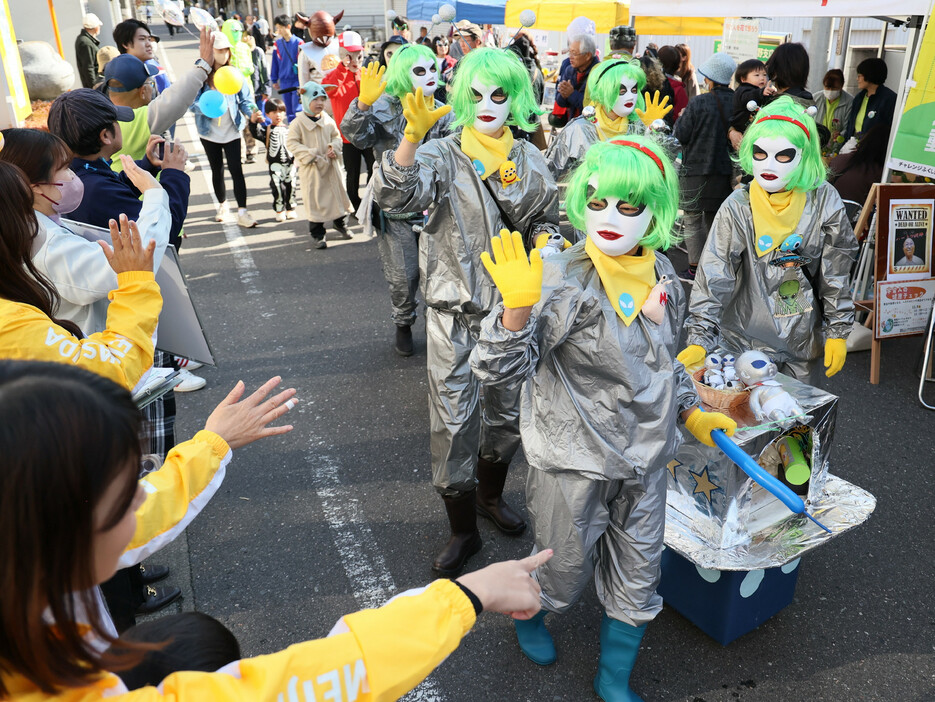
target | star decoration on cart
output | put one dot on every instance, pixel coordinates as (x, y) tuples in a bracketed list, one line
[(672, 465), (703, 483)]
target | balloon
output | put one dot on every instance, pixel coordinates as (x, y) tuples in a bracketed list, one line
[(170, 12), (447, 12), (436, 18), (201, 19), (391, 15), (212, 104), (760, 476), (228, 80), (527, 18)]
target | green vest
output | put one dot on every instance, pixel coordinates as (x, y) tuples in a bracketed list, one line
[(135, 137)]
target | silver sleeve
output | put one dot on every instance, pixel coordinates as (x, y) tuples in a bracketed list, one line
[(358, 126), (839, 249)]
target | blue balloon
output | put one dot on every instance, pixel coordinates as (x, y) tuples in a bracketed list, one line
[(212, 104)]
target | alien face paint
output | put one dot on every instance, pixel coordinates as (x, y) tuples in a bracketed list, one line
[(775, 160), (626, 102), (493, 107), (614, 225), (424, 74)]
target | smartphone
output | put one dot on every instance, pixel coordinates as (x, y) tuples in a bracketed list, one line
[(161, 150)]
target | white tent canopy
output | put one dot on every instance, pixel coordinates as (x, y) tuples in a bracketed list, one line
[(787, 8)]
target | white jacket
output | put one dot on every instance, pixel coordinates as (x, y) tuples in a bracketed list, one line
[(79, 270)]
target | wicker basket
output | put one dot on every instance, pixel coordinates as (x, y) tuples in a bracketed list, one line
[(719, 399)]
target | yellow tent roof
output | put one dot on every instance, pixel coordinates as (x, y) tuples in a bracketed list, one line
[(556, 15)]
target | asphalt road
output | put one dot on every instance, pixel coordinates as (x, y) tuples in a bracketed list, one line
[(340, 513)]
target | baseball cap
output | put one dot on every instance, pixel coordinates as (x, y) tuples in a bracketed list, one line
[(76, 113), (90, 21), (221, 41), (130, 71), (351, 41)]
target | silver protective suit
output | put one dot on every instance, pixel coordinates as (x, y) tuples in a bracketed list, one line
[(599, 411), (734, 301), (381, 128), (572, 142), (464, 213)]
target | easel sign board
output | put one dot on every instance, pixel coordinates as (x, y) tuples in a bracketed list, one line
[(180, 331), (905, 246), (903, 309)]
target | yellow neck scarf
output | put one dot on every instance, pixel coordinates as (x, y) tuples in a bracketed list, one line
[(627, 280), (775, 216), (610, 127), (486, 152)]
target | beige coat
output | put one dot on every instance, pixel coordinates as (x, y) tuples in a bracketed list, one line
[(322, 178)]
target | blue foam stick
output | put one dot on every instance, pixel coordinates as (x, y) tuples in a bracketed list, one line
[(767, 481)]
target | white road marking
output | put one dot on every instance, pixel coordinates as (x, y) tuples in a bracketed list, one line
[(360, 554)]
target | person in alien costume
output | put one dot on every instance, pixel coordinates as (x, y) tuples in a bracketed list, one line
[(592, 339), (241, 56), (460, 178), (375, 120), (773, 275), (617, 102)]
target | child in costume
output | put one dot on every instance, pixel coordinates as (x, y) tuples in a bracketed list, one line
[(773, 275), (280, 160), (592, 339), (375, 120), (284, 71), (615, 90), (460, 177), (315, 141)]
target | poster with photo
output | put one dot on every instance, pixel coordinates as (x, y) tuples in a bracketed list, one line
[(909, 254)]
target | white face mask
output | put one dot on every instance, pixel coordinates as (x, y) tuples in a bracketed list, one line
[(626, 103), (833, 95), (612, 231), (424, 74), (775, 159), (493, 107)]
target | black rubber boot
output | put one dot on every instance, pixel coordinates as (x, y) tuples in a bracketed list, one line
[(465, 540), (404, 341), (491, 477)]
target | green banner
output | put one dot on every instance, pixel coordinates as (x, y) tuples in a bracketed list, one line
[(914, 144)]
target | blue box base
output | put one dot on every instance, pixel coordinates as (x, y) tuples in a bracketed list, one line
[(725, 604)]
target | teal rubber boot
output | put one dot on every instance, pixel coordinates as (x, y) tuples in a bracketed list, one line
[(535, 640), (620, 643)]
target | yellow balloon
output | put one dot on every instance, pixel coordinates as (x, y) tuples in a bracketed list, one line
[(228, 80)]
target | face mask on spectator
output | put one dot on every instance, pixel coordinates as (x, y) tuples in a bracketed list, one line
[(833, 94), (72, 192)]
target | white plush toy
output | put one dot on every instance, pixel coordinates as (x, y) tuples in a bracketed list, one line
[(767, 398)]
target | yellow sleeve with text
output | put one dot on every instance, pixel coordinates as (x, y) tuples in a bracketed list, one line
[(123, 352), (385, 653), (176, 493)]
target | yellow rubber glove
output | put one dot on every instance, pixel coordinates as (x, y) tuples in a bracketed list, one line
[(543, 238), (419, 118), (700, 424), (372, 84), (518, 279), (835, 353), (654, 109), (691, 355)]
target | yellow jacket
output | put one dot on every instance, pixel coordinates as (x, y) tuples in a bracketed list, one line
[(123, 352)]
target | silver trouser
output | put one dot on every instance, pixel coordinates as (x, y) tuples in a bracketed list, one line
[(611, 527), (695, 227), (461, 428), (399, 251)]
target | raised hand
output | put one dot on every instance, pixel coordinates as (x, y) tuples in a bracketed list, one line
[(655, 108), (419, 118), (372, 84), (241, 422), (518, 279), (127, 253)]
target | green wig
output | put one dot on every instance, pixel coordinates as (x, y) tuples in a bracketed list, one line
[(811, 171), (629, 174), (604, 84), (498, 67), (398, 80)]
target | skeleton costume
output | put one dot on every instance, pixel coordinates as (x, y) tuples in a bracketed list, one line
[(381, 128), (281, 163), (746, 297), (468, 204)]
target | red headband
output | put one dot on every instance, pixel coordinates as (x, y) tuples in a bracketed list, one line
[(648, 152), (787, 119)]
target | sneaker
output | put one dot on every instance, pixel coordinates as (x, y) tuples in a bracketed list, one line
[(190, 382), (187, 363), (246, 221), (290, 214), (321, 244), (223, 211), (688, 275), (341, 229), (249, 159), (280, 216)]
